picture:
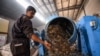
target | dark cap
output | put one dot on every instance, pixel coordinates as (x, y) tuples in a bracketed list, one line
[(30, 8)]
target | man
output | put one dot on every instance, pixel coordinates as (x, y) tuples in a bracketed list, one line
[(22, 32)]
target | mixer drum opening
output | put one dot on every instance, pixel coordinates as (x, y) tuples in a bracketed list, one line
[(58, 32), (64, 24)]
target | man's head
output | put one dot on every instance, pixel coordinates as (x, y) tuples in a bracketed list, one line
[(30, 11)]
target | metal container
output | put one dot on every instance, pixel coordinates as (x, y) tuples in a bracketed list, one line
[(61, 33), (66, 24)]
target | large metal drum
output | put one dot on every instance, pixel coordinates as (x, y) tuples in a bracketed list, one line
[(60, 32)]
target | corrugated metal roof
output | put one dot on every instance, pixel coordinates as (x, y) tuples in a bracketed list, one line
[(65, 8)]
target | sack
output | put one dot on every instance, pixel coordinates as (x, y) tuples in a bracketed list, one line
[(20, 46)]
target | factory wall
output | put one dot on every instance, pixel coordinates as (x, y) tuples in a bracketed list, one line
[(92, 7), (4, 25), (11, 22)]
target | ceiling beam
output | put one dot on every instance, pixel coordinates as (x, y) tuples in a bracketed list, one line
[(62, 8), (56, 7), (50, 6), (46, 7), (80, 9), (69, 8), (74, 10)]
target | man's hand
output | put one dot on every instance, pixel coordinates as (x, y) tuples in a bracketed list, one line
[(47, 45)]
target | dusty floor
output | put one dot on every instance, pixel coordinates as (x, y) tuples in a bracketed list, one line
[(5, 51)]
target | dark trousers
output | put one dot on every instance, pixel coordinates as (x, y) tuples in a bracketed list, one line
[(20, 47)]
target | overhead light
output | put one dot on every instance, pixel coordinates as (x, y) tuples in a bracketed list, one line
[(23, 3), (38, 14), (40, 17), (26, 4), (34, 3)]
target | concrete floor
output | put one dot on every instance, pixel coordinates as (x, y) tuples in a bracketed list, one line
[(5, 51)]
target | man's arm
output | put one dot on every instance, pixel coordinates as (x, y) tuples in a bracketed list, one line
[(35, 38), (45, 43), (28, 31)]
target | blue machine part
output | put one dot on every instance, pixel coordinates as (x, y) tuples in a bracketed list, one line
[(40, 46), (88, 36), (89, 29), (32, 43)]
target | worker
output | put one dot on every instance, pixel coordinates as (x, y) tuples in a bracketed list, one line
[(22, 32)]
